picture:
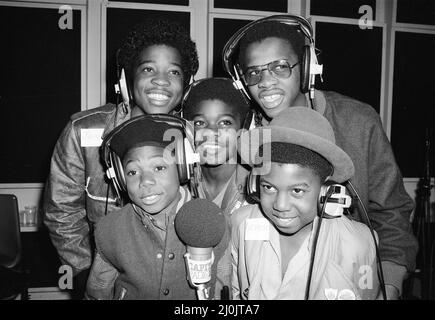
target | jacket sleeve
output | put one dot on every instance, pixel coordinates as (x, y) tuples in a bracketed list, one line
[(389, 209), (64, 202), (101, 281)]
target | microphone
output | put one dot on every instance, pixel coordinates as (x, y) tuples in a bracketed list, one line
[(200, 224)]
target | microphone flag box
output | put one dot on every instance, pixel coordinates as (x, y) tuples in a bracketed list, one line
[(199, 270)]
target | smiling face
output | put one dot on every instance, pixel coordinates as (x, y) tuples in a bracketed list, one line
[(274, 94), (216, 126), (152, 180), (289, 196), (158, 80)]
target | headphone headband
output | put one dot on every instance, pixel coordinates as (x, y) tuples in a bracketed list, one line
[(186, 158), (197, 82), (309, 65), (233, 42)]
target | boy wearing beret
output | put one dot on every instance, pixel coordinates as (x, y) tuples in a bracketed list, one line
[(139, 255)]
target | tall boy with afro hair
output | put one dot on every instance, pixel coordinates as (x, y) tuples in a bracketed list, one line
[(159, 58)]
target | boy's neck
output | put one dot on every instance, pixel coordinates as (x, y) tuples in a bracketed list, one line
[(216, 177)]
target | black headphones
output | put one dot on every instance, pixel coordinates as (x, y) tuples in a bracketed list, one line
[(185, 158), (247, 122), (122, 88), (309, 64), (336, 202)]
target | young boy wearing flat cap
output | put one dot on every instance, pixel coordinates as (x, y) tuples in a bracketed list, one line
[(139, 255), (272, 241)]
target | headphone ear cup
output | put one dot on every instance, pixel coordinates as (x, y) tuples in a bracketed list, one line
[(249, 121), (305, 69), (180, 158), (323, 190), (253, 191), (119, 172)]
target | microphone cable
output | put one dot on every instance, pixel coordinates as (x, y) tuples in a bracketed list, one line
[(114, 126), (369, 224), (312, 104), (316, 237)]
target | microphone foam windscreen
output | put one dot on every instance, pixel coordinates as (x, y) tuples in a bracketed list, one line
[(200, 223)]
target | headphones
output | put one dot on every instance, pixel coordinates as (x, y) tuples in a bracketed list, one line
[(121, 86), (247, 122), (197, 82), (336, 202), (309, 64), (185, 158)]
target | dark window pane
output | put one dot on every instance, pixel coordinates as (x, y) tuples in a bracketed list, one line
[(341, 8), (259, 5), (39, 88), (352, 60), (174, 2), (223, 29), (416, 11), (119, 23), (413, 106)]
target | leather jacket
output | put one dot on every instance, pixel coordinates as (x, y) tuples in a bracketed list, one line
[(77, 193)]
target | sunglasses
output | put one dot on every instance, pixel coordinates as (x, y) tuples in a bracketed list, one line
[(279, 69)]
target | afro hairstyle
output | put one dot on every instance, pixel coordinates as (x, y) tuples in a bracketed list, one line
[(215, 89), (268, 29), (159, 32)]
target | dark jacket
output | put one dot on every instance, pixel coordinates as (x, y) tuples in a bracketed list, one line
[(358, 131), (134, 262), (76, 189)]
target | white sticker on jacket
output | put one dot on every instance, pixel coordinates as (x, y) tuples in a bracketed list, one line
[(91, 137), (257, 229)]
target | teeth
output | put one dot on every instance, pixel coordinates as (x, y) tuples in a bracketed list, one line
[(285, 220), (158, 96), (150, 199), (272, 97)]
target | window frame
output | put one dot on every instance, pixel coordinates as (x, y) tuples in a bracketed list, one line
[(50, 4), (383, 106), (137, 6), (396, 24)]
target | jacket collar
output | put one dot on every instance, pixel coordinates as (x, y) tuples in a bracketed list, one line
[(236, 188), (121, 114)]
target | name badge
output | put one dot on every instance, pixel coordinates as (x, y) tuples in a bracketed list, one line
[(91, 137), (257, 229)]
